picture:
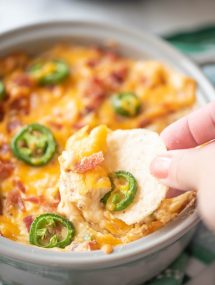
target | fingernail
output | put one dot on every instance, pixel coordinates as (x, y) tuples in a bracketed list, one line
[(160, 166)]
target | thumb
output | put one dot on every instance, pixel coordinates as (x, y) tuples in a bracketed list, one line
[(184, 169)]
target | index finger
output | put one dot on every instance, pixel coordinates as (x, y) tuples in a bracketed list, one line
[(192, 130)]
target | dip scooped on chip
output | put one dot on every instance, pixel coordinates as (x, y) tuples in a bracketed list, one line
[(108, 171), (133, 151), (106, 188)]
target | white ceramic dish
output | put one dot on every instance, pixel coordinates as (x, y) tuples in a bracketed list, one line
[(139, 260)]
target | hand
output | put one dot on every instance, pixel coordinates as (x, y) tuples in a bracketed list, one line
[(189, 163)]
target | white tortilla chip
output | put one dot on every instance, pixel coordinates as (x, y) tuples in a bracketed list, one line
[(133, 151)]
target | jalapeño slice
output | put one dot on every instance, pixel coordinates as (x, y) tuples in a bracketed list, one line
[(34, 144), (124, 189), (51, 230), (50, 72), (126, 104)]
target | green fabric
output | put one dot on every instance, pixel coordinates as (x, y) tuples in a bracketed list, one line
[(197, 41), (202, 246)]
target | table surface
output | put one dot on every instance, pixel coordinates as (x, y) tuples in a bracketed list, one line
[(157, 16)]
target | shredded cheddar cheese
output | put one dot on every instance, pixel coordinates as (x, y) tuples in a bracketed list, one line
[(81, 101)]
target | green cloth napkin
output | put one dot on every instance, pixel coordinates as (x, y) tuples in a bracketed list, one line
[(200, 45), (194, 42)]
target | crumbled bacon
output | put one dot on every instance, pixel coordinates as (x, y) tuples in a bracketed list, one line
[(111, 55), (4, 148), (50, 205), (89, 162), (99, 50), (19, 185), (92, 245), (43, 202), (33, 199), (92, 62), (1, 112), (14, 199), (94, 94), (56, 125), (6, 169), (5, 151), (28, 220), (116, 78), (78, 125), (20, 105), (12, 62), (18, 86), (12, 124), (23, 80), (145, 122)]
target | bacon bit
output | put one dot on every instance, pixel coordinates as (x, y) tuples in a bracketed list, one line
[(94, 94), (92, 62), (12, 62), (99, 50), (4, 148), (1, 112), (19, 185), (18, 86), (56, 125), (23, 80), (112, 55), (28, 220), (6, 169), (13, 124), (34, 200), (93, 245), (1, 234), (94, 88), (78, 125), (117, 77), (5, 151), (43, 201), (14, 199), (89, 162), (145, 122), (20, 105)]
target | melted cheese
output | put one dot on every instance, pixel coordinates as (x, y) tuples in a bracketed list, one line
[(65, 108)]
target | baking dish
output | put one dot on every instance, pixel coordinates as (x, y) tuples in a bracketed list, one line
[(139, 260)]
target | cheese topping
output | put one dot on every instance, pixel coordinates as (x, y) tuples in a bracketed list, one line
[(65, 89)]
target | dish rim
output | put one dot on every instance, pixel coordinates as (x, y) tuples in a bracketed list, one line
[(124, 253)]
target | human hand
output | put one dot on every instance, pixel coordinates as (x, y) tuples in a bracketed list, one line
[(189, 165)]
